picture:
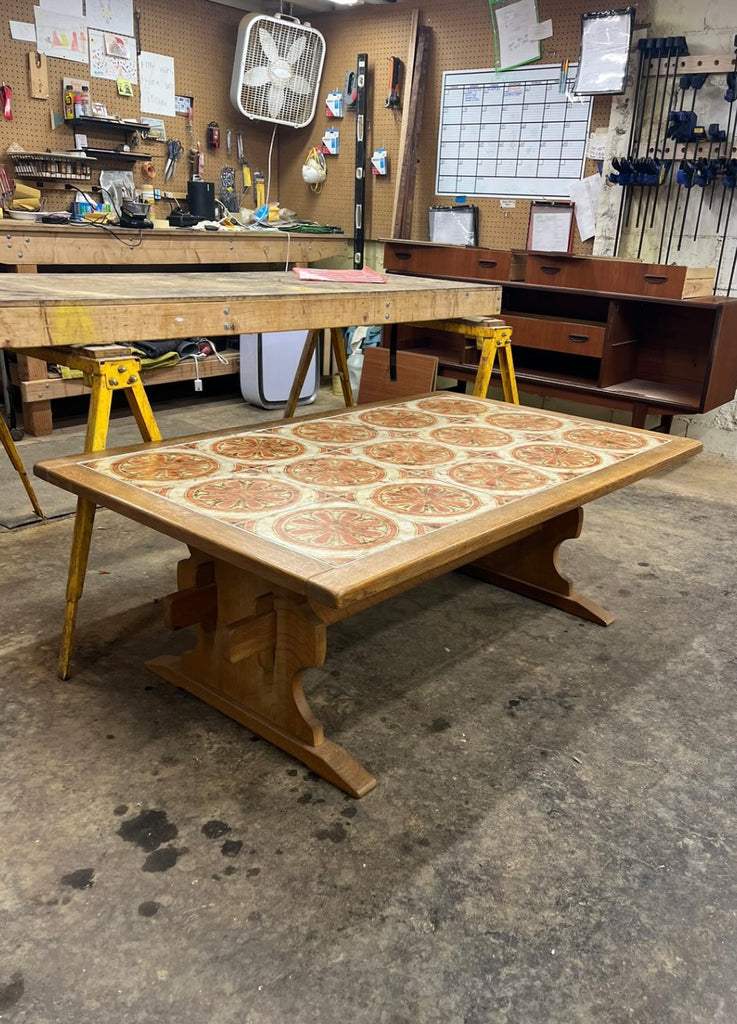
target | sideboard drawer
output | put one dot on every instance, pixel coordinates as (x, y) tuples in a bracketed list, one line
[(459, 262), (575, 337), (626, 277)]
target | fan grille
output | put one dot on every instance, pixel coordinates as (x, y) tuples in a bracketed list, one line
[(297, 109)]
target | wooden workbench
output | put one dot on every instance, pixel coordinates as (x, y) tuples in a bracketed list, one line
[(31, 248), (74, 309)]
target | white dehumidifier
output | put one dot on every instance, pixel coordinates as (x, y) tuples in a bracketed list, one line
[(268, 365)]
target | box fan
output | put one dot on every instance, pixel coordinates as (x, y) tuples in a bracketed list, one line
[(277, 69)]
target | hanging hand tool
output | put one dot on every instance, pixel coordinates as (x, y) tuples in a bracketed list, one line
[(729, 181), (392, 100), (174, 149), (6, 98), (685, 177)]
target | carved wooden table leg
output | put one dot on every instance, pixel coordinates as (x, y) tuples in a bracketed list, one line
[(253, 642), (529, 566)]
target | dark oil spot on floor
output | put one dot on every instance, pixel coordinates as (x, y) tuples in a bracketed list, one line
[(349, 812), (109, 736), (80, 879), (336, 833), (254, 917), (311, 777), (120, 810), (305, 798), (52, 903), (291, 772), (439, 725), (231, 847), (214, 829), (149, 830), (215, 878), (252, 872), (148, 908), (230, 870), (163, 859), (12, 991)]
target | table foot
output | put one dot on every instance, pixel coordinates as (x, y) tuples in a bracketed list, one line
[(529, 566), (253, 643)]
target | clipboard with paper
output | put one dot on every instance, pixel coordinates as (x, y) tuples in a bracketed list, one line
[(516, 38)]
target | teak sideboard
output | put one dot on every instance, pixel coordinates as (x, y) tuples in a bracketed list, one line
[(618, 334)]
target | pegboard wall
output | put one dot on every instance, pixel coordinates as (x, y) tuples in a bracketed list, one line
[(461, 38), (201, 37)]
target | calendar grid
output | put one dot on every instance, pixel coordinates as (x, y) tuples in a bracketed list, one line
[(511, 133)]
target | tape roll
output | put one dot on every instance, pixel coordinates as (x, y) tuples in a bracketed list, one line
[(148, 170)]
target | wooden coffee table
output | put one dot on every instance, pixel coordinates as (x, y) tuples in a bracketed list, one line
[(298, 524)]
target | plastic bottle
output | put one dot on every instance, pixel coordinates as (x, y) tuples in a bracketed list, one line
[(69, 105)]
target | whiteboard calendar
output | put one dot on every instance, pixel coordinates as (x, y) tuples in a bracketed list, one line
[(511, 133)]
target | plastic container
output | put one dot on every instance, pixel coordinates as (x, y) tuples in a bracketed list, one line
[(268, 365)]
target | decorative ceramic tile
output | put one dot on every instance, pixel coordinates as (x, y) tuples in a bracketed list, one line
[(341, 487)]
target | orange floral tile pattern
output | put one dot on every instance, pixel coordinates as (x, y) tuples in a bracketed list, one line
[(349, 485)]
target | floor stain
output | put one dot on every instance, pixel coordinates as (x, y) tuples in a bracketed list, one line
[(163, 859), (80, 879), (150, 829), (214, 829), (231, 847), (336, 833), (149, 908), (11, 992)]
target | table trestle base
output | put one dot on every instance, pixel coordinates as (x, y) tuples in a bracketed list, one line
[(529, 566), (253, 642)]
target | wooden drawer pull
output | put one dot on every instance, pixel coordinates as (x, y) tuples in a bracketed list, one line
[(550, 270), (403, 255), (656, 278), (487, 263), (579, 339)]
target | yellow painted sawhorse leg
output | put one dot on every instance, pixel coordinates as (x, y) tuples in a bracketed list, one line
[(341, 361), (9, 445), (103, 372), (492, 337)]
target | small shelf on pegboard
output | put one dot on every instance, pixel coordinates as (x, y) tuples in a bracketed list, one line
[(115, 154), (50, 166)]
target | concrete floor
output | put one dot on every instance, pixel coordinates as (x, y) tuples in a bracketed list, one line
[(553, 837)]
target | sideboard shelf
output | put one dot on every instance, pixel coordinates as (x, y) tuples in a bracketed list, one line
[(645, 353)]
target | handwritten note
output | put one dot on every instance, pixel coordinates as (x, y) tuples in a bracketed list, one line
[(156, 73), (514, 24)]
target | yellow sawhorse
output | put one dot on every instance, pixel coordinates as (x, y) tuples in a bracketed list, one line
[(6, 438), (492, 337), (341, 361), (105, 369)]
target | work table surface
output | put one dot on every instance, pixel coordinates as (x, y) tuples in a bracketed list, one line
[(31, 244), (68, 309)]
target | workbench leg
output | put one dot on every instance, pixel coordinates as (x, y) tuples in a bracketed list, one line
[(98, 422), (300, 373), (341, 361), (142, 412), (486, 365), (15, 460), (254, 641), (37, 420), (529, 566), (83, 522), (509, 381)]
